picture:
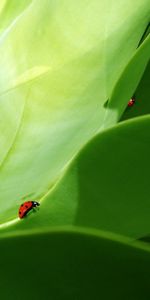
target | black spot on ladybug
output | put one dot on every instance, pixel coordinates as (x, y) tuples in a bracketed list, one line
[(26, 206)]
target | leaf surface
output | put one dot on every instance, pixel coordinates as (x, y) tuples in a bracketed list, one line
[(59, 64), (74, 265), (106, 187)]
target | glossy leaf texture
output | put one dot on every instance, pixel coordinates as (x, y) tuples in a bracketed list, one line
[(9, 13), (142, 98), (59, 63), (67, 71), (106, 187)]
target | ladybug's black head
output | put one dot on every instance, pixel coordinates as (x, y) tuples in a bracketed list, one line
[(35, 203)]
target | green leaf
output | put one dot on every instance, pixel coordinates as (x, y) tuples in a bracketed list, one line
[(64, 61), (73, 265), (106, 187), (10, 11), (142, 98), (128, 81)]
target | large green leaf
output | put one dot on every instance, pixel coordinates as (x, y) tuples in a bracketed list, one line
[(106, 187), (73, 265), (59, 63), (128, 82), (142, 98)]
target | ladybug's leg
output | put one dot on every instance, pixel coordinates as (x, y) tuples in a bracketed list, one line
[(35, 208)]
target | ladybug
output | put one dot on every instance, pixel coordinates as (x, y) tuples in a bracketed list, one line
[(26, 207), (131, 102)]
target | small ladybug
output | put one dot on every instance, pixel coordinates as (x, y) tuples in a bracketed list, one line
[(131, 102), (26, 207)]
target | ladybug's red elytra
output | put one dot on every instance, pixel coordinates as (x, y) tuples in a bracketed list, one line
[(131, 102), (26, 207)]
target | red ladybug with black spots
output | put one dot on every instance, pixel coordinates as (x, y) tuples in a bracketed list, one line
[(26, 207)]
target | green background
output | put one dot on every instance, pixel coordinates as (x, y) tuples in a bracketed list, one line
[(69, 140)]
